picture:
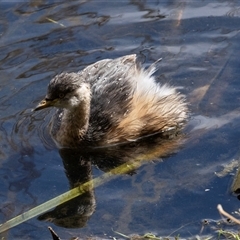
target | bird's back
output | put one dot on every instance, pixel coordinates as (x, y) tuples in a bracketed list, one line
[(127, 103)]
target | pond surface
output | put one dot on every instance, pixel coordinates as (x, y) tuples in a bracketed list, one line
[(199, 42)]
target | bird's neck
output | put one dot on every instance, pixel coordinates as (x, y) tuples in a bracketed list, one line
[(74, 124)]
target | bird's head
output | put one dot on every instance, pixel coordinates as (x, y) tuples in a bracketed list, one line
[(66, 90)]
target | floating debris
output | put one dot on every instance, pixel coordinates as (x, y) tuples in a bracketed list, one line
[(53, 21)]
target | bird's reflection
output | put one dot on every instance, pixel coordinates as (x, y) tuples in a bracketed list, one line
[(76, 212)]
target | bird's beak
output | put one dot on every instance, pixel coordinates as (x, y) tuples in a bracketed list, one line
[(45, 103)]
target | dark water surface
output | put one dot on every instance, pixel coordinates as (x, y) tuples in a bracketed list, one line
[(199, 42)]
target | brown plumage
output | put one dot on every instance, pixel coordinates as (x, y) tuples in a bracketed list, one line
[(110, 102)]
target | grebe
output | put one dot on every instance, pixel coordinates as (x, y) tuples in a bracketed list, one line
[(112, 101)]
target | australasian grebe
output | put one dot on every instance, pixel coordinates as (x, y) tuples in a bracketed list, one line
[(112, 101)]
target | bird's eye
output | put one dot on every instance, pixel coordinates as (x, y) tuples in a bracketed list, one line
[(61, 95)]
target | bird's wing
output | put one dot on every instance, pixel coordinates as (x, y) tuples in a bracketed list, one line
[(112, 91)]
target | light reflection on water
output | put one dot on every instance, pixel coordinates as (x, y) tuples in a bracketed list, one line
[(199, 44)]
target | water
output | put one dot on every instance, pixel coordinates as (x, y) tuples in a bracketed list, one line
[(199, 44)]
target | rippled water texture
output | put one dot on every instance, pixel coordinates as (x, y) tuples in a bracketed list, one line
[(199, 44)]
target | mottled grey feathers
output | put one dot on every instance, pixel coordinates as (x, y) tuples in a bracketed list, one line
[(111, 94)]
